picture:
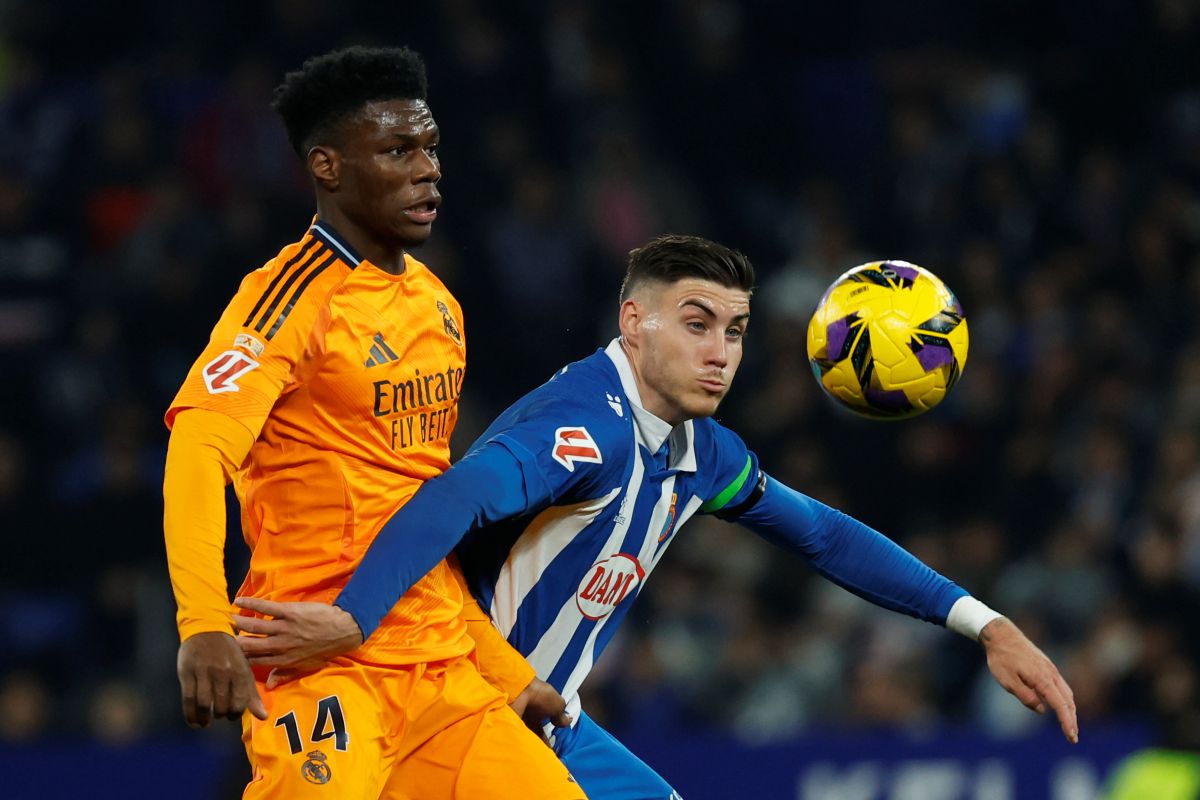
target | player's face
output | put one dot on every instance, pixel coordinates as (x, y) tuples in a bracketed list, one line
[(390, 170), (685, 341)]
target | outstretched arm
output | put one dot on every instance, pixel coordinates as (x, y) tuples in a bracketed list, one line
[(851, 554), (864, 561), (484, 487)]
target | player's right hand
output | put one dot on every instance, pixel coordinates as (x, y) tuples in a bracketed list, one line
[(539, 702), (216, 680)]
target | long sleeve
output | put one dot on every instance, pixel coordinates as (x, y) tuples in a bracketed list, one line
[(499, 662), (851, 554), (486, 486), (205, 449)]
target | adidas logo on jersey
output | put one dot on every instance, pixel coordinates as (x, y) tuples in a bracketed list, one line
[(380, 352)]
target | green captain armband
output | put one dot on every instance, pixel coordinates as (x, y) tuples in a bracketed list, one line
[(728, 493), (718, 504)]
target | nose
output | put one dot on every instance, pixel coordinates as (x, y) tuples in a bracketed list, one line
[(718, 353), (426, 168)]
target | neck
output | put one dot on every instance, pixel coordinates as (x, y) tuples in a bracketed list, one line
[(388, 256)]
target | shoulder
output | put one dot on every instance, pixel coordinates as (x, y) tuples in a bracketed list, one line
[(292, 283), (727, 464), (713, 439), (575, 417), (574, 399)]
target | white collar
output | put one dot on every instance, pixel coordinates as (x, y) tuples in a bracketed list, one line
[(681, 453)]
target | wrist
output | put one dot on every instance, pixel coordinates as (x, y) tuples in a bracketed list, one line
[(969, 617), (350, 624), (189, 629)]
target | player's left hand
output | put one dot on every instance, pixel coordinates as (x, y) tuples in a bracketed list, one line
[(538, 703), (1026, 673), (299, 638)]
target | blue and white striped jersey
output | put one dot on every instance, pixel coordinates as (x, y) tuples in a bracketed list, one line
[(620, 482), (567, 502)]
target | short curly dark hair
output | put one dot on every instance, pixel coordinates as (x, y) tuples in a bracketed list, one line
[(329, 89)]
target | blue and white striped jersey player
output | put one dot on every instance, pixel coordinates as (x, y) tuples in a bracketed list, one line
[(565, 505)]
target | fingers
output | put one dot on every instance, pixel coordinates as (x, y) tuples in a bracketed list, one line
[(214, 678), (1064, 708), (242, 690), (257, 707), (269, 659), (257, 625), (1025, 693), (256, 648), (187, 685), (1030, 676), (267, 607), (1051, 690), (255, 703), (561, 719), (222, 694), (202, 704)]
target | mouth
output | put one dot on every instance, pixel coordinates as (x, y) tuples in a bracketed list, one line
[(712, 386), (424, 212)]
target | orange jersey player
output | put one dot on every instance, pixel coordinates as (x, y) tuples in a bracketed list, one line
[(327, 394)]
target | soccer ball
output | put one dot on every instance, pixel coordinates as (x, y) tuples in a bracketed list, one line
[(888, 340)]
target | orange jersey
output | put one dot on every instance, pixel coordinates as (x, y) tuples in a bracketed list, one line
[(350, 377)]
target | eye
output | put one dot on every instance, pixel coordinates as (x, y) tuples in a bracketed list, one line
[(697, 325), (735, 333), (400, 151), (432, 150)]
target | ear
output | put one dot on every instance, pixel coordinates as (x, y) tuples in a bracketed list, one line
[(630, 319), (325, 165)]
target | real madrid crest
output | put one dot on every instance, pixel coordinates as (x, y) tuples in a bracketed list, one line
[(315, 770), (449, 324)]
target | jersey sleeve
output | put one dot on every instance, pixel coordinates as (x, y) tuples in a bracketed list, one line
[(851, 554), (204, 450), (526, 461), (255, 349), (566, 447), (738, 481)]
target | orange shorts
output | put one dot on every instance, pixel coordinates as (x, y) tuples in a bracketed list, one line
[(355, 731)]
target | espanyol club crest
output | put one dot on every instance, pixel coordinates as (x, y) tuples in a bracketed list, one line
[(607, 583), (572, 445)]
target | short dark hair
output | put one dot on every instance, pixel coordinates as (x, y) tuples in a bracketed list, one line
[(329, 89), (671, 258)]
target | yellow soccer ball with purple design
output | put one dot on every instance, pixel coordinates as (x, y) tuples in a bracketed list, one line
[(888, 340)]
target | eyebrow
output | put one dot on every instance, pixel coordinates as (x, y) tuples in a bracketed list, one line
[(710, 312), (434, 133)]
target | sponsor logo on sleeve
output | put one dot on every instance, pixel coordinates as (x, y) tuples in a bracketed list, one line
[(222, 373), (573, 445), (248, 343)]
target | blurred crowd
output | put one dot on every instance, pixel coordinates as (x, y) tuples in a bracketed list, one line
[(1048, 172)]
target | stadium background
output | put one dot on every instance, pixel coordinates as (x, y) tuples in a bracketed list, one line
[(1043, 158)]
